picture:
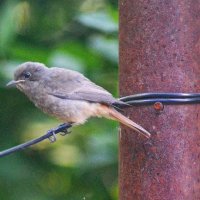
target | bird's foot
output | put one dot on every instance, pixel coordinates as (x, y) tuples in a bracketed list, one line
[(62, 129), (65, 133), (52, 138)]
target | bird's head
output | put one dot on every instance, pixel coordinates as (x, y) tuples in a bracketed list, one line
[(27, 75)]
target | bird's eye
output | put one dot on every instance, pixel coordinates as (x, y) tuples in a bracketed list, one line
[(27, 75)]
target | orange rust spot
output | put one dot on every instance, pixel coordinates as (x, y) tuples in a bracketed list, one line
[(158, 106)]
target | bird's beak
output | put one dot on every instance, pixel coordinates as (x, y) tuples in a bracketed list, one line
[(13, 83)]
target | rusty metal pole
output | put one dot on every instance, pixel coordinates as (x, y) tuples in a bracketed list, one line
[(160, 52)]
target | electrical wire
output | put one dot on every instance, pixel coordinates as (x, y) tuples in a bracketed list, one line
[(165, 98), (63, 128), (132, 100)]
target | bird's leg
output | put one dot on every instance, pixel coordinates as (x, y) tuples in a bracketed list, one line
[(63, 129)]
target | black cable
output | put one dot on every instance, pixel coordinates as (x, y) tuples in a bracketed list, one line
[(161, 95), (165, 98), (164, 101), (132, 100), (49, 135)]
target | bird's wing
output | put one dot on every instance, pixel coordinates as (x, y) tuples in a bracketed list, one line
[(90, 94), (74, 86)]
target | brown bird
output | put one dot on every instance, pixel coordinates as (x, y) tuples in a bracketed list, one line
[(68, 95)]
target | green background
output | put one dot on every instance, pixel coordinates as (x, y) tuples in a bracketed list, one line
[(80, 35)]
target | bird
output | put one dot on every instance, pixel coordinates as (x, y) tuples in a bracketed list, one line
[(68, 95)]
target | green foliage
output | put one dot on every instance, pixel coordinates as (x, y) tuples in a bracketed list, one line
[(80, 35)]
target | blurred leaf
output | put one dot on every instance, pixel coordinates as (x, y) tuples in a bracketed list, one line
[(92, 5), (23, 51), (22, 13), (102, 151), (59, 59), (7, 25), (8, 68), (66, 155), (100, 20), (107, 47)]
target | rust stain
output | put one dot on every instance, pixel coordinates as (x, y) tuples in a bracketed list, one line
[(159, 52), (158, 106)]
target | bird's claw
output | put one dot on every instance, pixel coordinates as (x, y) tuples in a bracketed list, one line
[(52, 138), (64, 130), (63, 133)]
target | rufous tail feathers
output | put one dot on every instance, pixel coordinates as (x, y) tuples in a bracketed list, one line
[(124, 120)]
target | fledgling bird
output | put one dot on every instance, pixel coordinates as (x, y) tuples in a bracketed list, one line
[(68, 95)]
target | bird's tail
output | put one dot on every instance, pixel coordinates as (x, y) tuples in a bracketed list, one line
[(124, 120)]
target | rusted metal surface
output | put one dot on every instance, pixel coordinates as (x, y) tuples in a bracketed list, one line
[(160, 52)]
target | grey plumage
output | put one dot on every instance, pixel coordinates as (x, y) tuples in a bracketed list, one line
[(68, 94)]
